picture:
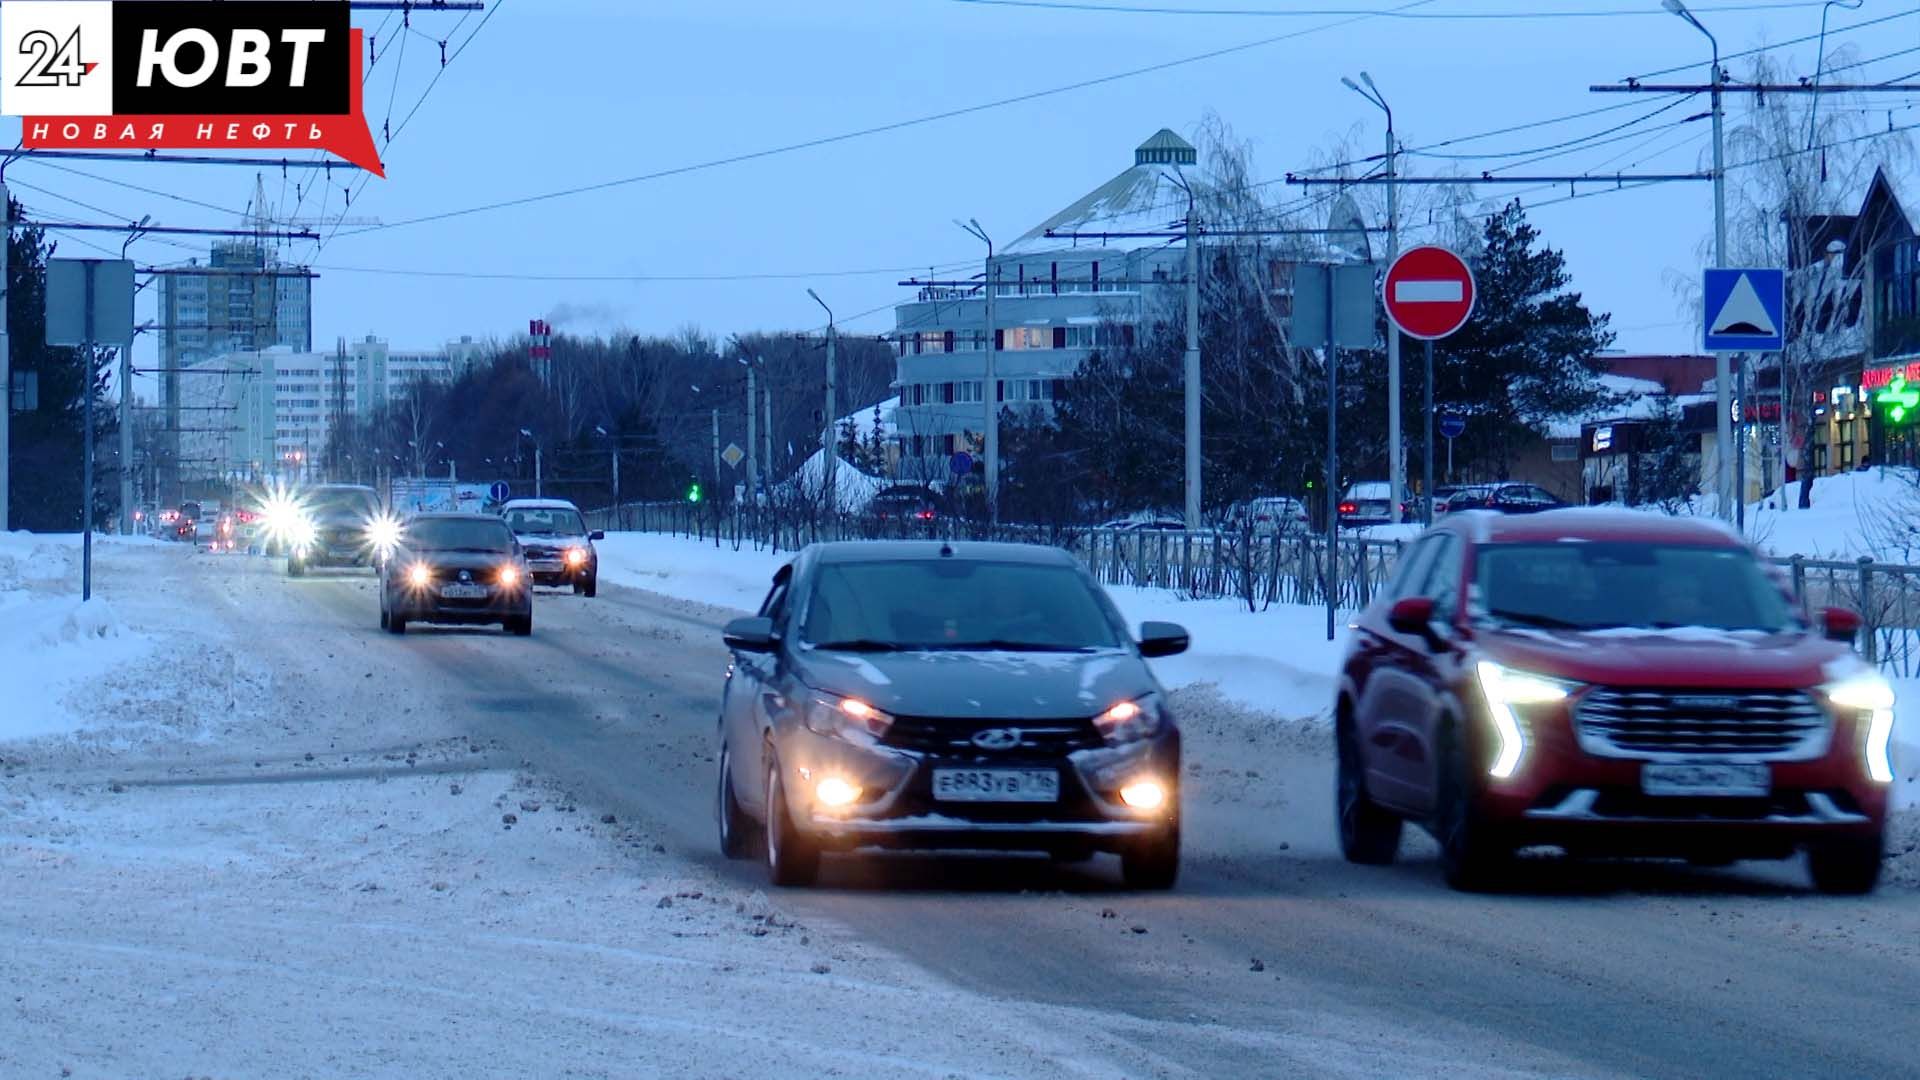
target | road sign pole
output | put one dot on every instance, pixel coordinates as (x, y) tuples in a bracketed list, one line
[(1333, 457), (1426, 491), (86, 445), (1740, 440), (1449, 462)]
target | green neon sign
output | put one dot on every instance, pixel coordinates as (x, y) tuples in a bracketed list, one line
[(1899, 399)]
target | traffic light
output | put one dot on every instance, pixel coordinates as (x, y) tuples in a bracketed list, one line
[(693, 492), (1899, 399)]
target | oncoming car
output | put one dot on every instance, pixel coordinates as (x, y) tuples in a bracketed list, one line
[(920, 695), (333, 525), (559, 547), (1608, 683), (456, 568)]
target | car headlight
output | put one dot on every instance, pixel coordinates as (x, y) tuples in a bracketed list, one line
[(1505, 688), (420, 575), (509, 576), (1867, 691), (1132, 720), (845, 717), (576, 557), (383, 534)]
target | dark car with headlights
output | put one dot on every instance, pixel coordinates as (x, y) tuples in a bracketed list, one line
[(334, 527), (456, 568), (559, 546), (1608, 683), (920, 695)]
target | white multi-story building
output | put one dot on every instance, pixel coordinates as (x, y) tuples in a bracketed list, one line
[(271, 411), (1054, 296)]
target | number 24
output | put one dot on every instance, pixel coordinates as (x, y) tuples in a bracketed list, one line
[(54, 63)]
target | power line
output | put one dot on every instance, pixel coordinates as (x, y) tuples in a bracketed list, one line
[(635, 278), (1394, 13), (877, 129), (1909, 13)]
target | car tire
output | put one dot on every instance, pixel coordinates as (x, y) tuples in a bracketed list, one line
[(384, 622), (1473, 857), (519, 625), (396, 623), (1849, 866), (592, 586), (736, 828), (295, 568), (1153, 862), (792, 860), (1369, 833), (579, 587)]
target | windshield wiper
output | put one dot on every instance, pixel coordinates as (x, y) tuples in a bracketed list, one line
[(1008, 645), (1548, 622), (862, 645)]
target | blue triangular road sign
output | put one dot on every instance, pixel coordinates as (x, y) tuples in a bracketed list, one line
[(1745, 309)]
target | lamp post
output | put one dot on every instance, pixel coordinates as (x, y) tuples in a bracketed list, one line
[(1396, 446), (990, 381), (1722, 375), (826, 444)]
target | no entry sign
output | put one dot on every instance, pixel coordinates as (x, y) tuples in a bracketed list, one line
[(1428, 292)]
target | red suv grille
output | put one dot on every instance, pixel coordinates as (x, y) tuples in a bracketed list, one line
[(1784, 724)]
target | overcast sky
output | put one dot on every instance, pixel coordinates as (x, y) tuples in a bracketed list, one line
[(555, 94)]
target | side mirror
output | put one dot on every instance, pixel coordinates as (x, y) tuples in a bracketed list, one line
[(1412, 615), (597, 534), (753, 633), (1840, 624), (1163, 639)]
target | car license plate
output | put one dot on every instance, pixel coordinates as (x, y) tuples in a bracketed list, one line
[(546, 565), (1708, 778), (464, 592), (996, 785)]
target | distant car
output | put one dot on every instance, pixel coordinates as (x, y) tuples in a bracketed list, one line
[(558, 545), (907, 502), (456, 568), (921, 695), (1505, 498), (1146, 523), (1609, 683), (1272, 514), (1369, 502), (337, 526)]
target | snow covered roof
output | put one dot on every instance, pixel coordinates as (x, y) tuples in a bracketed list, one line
[(862, 419), (1147, 196), (1644, 398)]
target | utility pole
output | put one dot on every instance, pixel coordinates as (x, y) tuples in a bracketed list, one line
[(753, 468), (826, 444), (86, 444), (1191, 371), (1331, 567), (616, 480), (990, 388), (766, 410), (1396, 446), (539, 473), (716, 450), (126, 439), (1722, 381), (6, 354)]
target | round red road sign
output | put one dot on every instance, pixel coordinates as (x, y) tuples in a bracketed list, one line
[(1428, 292)]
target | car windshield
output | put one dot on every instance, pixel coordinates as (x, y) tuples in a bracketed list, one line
[(955, 604), (459, 534), (1603, 585), (546, 521), (326, 503)]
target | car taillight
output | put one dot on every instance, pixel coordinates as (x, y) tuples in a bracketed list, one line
[(926, 515), (1348, 508)]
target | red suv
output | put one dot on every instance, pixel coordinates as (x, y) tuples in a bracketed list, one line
[(1608, 682)]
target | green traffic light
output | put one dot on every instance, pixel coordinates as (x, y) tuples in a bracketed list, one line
[(693, 493)]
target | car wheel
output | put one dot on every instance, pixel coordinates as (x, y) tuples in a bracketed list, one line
[(383, 613), (396, 623), (592, 586), (295, 568), (579, 587), (1369, 834), (791, 858), (1153, 862), (521, 625), (1472, 855), (736, 828), (1847, 867)]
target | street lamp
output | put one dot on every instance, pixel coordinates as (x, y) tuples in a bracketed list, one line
[(990, 389), (826, 443), (1396, 445), (1820, 59), (1722, 381)]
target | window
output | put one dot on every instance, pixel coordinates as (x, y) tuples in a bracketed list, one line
[(946, 393), (1026, 337), (1564, 451), (1443, 581), (775, 605), (934, 341), (1059, 337), (1413, 566), (949, 445)]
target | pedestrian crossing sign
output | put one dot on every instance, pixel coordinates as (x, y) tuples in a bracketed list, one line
[(1745, 309)]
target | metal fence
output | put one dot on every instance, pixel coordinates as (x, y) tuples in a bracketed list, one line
[(1258, 569)]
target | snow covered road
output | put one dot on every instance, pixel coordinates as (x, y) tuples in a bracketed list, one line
[(201, 897)]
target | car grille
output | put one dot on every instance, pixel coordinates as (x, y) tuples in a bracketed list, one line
[(948, 737), (542, 552), (1780, 724)]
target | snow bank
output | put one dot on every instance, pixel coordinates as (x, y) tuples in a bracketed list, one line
[(1276, 660), (51, 642), (1872, 513)]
